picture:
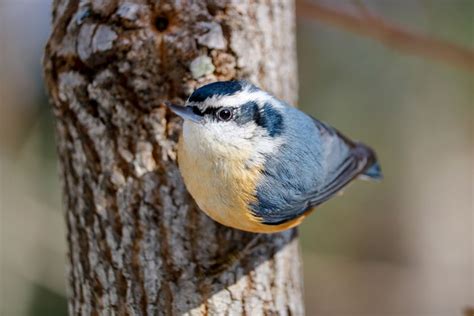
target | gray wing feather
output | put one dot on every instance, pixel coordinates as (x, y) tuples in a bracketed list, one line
[(316, 168)]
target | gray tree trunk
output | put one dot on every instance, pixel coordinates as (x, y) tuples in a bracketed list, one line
[(137, 243)]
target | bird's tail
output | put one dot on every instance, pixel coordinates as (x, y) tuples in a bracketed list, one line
[(373, 171)]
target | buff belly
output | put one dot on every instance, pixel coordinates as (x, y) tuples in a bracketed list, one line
[(224, 188)]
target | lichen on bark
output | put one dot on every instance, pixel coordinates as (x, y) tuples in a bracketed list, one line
[(137, 242)]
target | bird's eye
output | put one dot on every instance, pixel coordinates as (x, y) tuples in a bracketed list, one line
[(224, 114)]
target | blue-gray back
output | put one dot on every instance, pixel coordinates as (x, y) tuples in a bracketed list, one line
[(314, 163)]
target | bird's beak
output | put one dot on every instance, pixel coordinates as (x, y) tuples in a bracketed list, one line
[(185, 112)]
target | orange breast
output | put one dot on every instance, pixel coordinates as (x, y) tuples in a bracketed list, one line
[(224, 188)]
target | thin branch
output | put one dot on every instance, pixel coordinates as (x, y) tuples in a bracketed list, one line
[(390, 34)]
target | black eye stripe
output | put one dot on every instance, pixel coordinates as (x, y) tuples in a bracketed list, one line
[(196, 110), (210, 111)]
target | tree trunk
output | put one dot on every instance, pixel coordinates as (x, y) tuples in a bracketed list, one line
[(137, 242)]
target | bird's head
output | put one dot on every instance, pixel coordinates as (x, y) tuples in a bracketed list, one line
[(232, 115)]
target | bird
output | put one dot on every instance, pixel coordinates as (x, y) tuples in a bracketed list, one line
[(255, 163)]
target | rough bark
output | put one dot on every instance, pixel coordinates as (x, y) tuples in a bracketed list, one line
[(137, 243)]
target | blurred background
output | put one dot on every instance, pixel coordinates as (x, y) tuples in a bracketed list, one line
[(400, 247)]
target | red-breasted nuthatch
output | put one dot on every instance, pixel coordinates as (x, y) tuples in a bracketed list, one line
[(255, 163)]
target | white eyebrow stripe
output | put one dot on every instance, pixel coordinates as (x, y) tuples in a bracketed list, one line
[(234, 100)]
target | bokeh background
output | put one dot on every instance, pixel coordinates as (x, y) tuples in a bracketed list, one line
[(400, 247)]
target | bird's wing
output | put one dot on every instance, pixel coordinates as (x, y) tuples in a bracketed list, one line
[(340, 161), (346, 160)]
